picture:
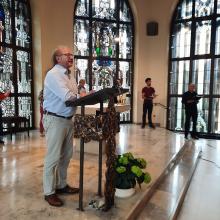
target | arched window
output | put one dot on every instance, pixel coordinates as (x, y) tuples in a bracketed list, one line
[(16, 58), (195, 57), (103, 42)]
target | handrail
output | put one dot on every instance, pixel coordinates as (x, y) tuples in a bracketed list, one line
[(161, 105)]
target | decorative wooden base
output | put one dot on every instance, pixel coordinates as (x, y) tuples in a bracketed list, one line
[(111, 126), (102, 126)]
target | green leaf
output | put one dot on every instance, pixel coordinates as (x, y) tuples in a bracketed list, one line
[(121, 169), (123, 160), (129, 155), (128, 171), (136, 170), (147, 178)]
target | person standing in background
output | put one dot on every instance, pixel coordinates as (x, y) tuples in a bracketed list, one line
[(2, 97), (81, 87), (190, 100), (148, 94)]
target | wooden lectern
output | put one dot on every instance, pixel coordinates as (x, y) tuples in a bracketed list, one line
[(108, 124)]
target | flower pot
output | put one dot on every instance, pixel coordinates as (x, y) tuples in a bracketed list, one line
[(124, 193)]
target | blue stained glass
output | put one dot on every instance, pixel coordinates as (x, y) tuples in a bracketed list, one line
[(104, 62), (2, 14), (5, 21)]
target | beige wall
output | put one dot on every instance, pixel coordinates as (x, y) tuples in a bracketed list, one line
[(52, 26), (151, 53)]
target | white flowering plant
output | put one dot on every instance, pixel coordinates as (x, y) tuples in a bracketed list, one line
[(129, 171)]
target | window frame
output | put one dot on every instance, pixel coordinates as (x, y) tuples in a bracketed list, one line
[(15, 48), (193, 57), (116, 59)]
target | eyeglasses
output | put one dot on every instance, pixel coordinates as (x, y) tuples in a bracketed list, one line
[(66, 54)]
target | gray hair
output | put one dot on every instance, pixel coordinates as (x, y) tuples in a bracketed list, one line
[(56, 53)]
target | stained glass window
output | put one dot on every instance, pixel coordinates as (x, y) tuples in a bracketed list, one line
[(216, 79), (5, 21), (22, 24), (103, 39), (194, 58), (204, 7), (103, 45), (218, 6), (184, 10), (83, 8), (203, 37), (181, 40), (81, 36), (16, 58), (201, 75), (81, 69), (105, 9), (125, 13), (179, 77), (215, 125)]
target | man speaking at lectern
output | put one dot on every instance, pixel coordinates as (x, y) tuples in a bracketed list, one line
[(59, 86)]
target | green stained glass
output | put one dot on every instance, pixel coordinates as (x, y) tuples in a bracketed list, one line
[(109, 51), (98, 50)]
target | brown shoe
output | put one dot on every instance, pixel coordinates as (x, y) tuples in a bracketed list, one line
[(53, 200), (152, 126), (67, 190)]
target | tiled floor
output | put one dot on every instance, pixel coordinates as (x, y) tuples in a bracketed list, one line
[(21, 164), (203, 197), (164, 202)]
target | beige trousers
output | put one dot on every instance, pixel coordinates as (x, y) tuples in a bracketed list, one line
[(59, 139)]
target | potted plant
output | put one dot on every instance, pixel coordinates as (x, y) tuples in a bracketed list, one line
[(129, 173)]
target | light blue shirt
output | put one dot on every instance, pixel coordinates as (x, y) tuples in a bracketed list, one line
[(58, 88)]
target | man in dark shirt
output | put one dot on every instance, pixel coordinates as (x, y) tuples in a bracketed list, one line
[(148, 93), (190, 100)]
